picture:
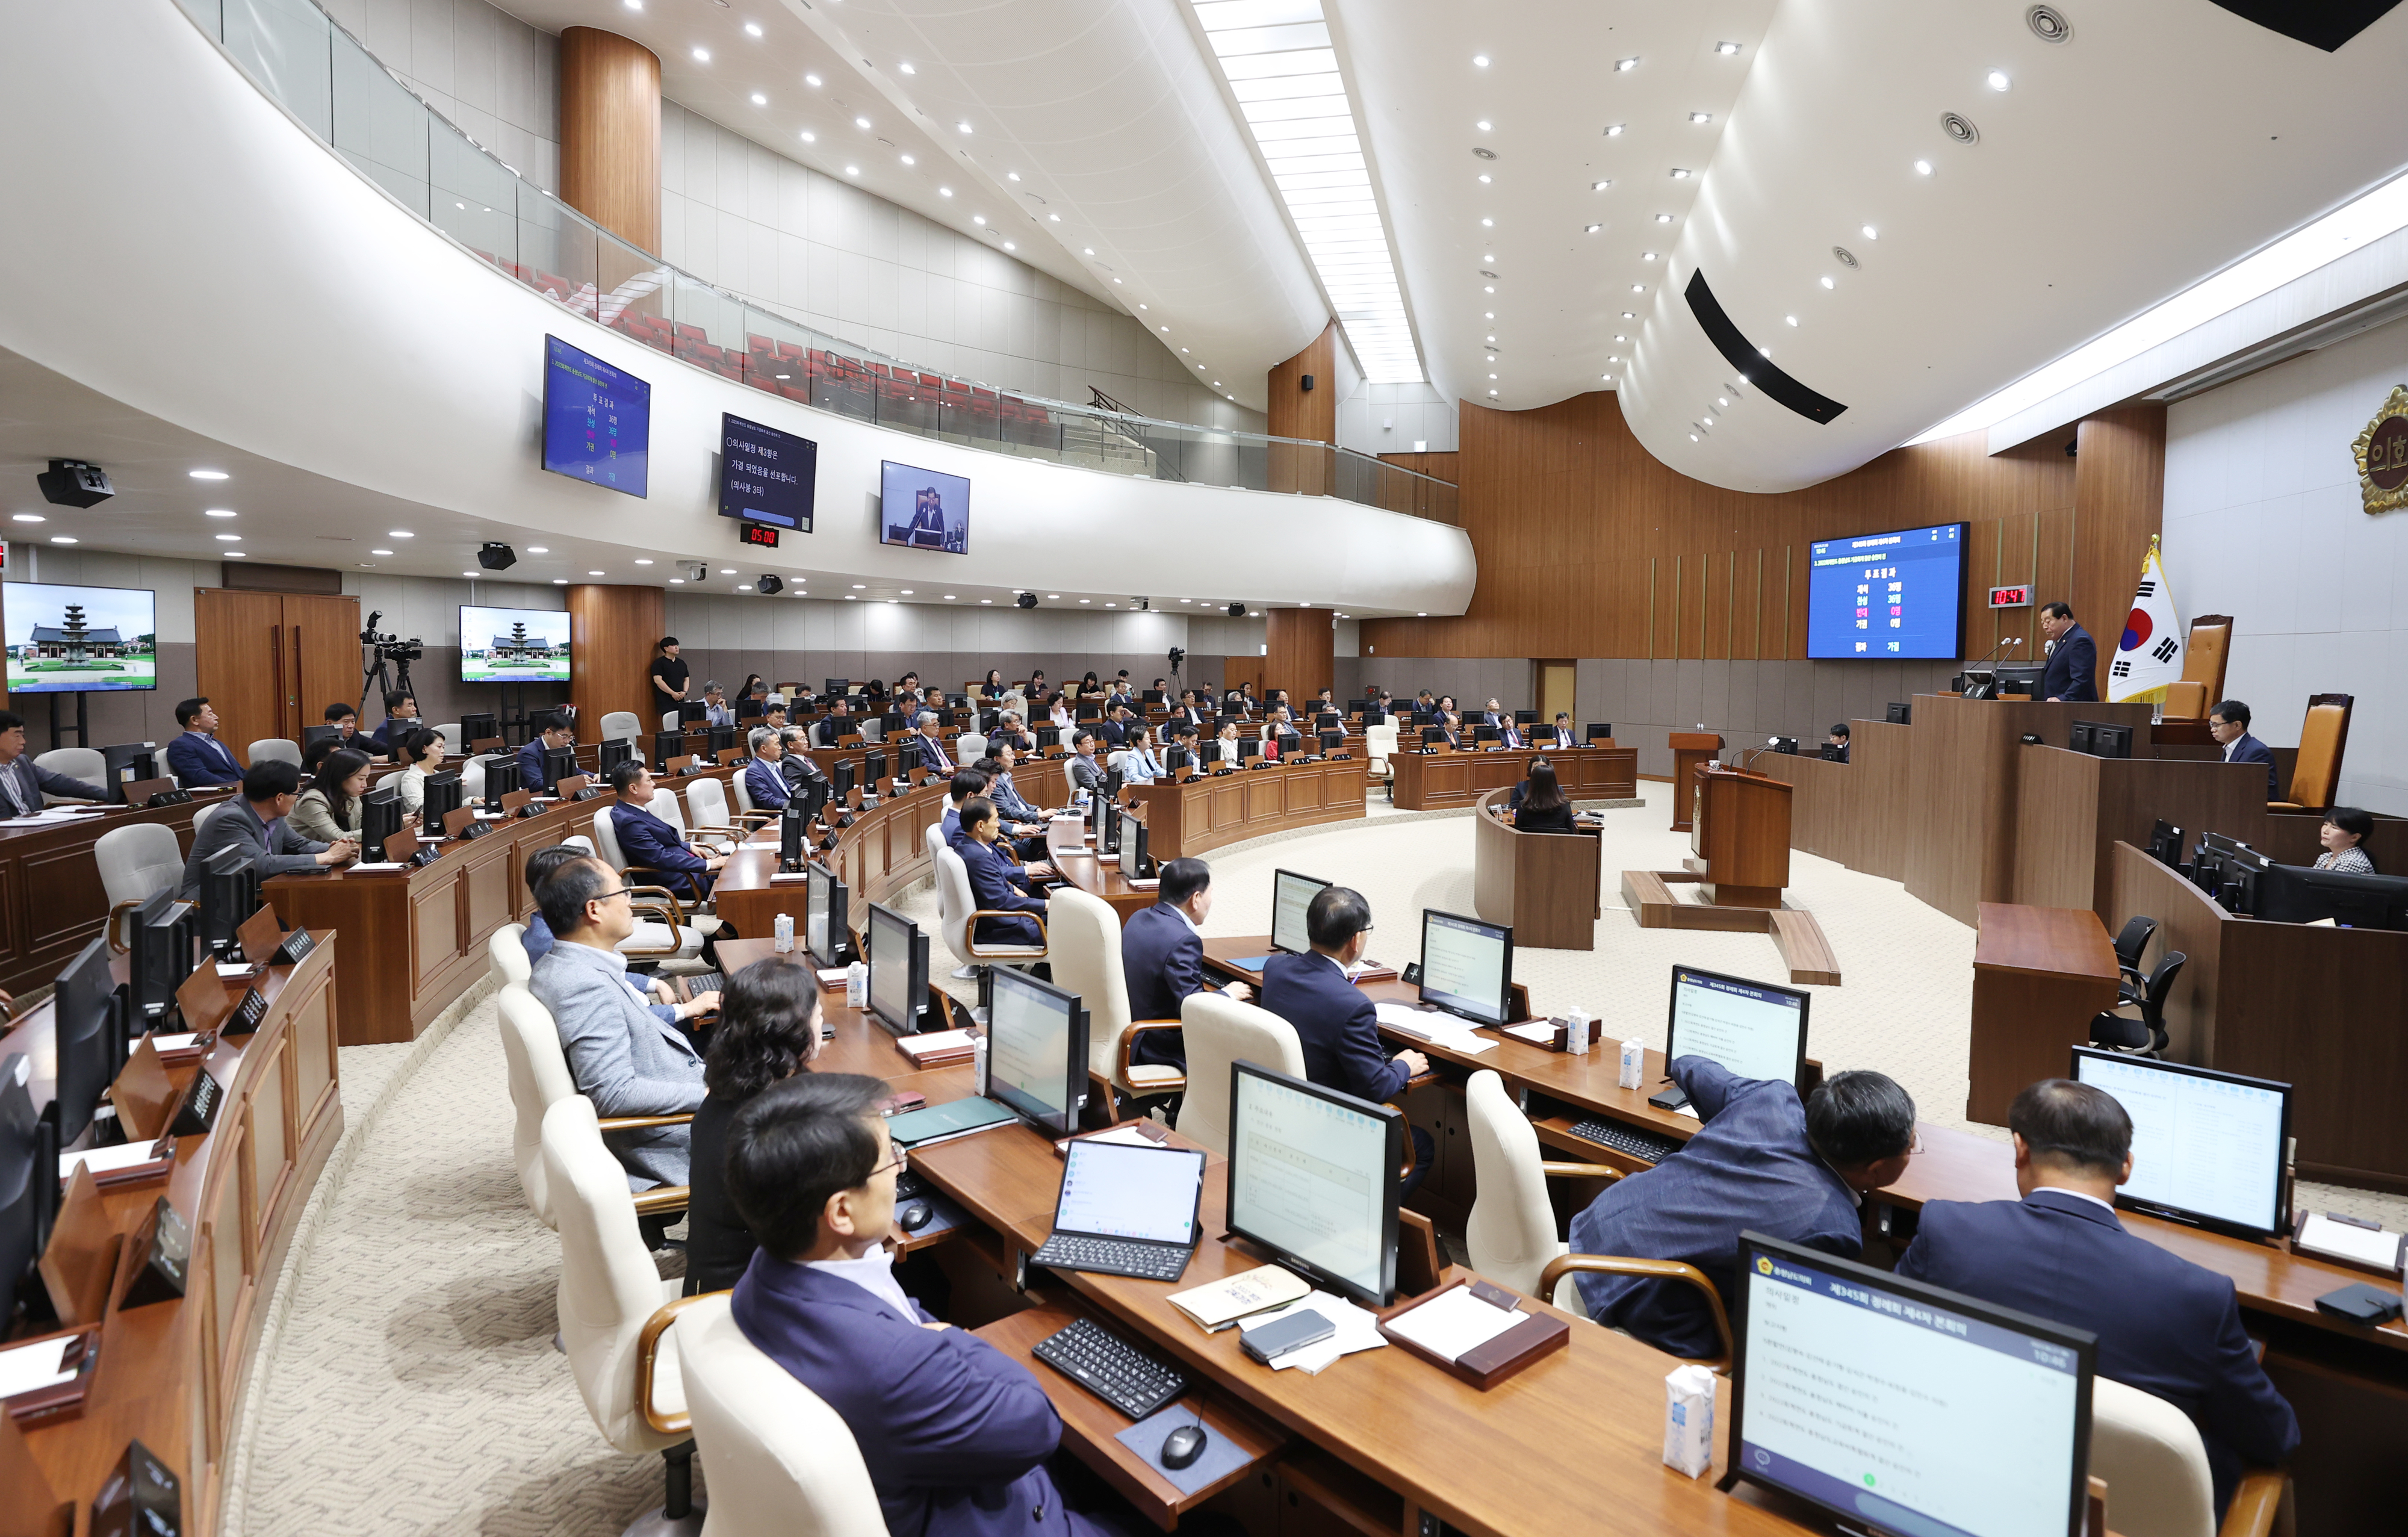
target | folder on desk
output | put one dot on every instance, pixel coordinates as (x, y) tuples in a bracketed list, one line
[(918, 1128)]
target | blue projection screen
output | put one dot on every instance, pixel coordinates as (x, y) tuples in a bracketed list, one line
[(597, 419), (1893, 595)]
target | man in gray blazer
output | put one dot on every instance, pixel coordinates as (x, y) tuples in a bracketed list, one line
[(24, 782), (622, 1056), (254, 821)]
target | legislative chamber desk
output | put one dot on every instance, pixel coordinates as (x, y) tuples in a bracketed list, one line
[(1188, 817), (51, 901), (1544, 883), (1431, 782), (171, 1374)]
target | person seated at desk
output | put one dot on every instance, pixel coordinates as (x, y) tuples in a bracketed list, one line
[(764, 781), (2228, 721), (1139, 764), (346, 722), (1451, 724), (197, 757), (2345, 827), (774, 714), (1162, 959), (1057, 713), (2165, 1326), (1185, 738), (795, 764), (1559, 735), (1539, 804), (1761, 1161), (1024, 825), (620, 1055), (769, 1031), (715, 708), (1509, 735), (537, 940), (997, 884), (1009, 732), (1279, 738), (314, 754), (1120, 728), (993, 687), (839, 722), (932, 756), (1224, 746), (330, 809), (1495, 714), (554, 733), (400, 719), (1189, 712), (650, 845), (2072, 673), (259, 825), (1004, 793), (1335, 1021), (1838, 742), (24, 782), (1089, 688), (1086, 774), (423, 750)]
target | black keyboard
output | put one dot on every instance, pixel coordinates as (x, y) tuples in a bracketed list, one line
[(704, 982), (1623, 1139), (1111, 1368), (1112, 1256)]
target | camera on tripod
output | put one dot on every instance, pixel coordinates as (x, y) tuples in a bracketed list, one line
[(391, 648), (376, 682)]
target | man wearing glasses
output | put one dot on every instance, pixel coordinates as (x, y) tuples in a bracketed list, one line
[(624, 1058)]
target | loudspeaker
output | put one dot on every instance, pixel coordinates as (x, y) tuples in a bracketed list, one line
[(771, 584), (71, 482), (1237, 611), (1308, 383), (495, 557), (1027, 600)]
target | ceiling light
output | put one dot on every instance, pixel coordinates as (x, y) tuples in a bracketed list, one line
[(1481, 59), (907, 69), (1722, 400), (949, 597), (643, 563), (1621, 65), (1646, 255), (1057, 218), (593, 574), (1163, 328), (1488, 223), (1009, 246), (1488, 314), (539, 549), (1182, 349), (1791, 319), (760, 100), (1629, 314), (1828, 284), (229, 539), (1621, 338), (1702, 117), (219, 512), (860, 586), (1216, 384), (62, 538), (1492, 335), (1482, 126), (1087, 600), (1707, 421), (909, 161), (850, 599), (1998, 80), (944, 192), (1869, 235), (978, 219), (1615, 130), (1679, 173), (1485, 178), (1090, 249), (1591, 229), (1012, 175), (31, 517), (1638, 288), (1488, 288), (812, 80), (751, 29), (861, 122), (1923, 167), (1599, 186), (907, 592), (1492, 395), (635, 5), (810, 138), (1663, 218), (1725, 47), (986, 600), (399, 533), (853, 170), (702, 55), (230, 555), (963, 128), (563, 582), (207, 474), (1492, 375), (464, 573)]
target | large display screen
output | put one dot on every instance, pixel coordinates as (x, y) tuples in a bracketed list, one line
[(1890, 595), (597, 419), (765, 475), (923, 508), (513, 645), (80, 639)]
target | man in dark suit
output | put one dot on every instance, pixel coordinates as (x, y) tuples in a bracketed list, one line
[(650, 845), (1121, 729), (197, 757), (255, 822), (2228, 723), (1559, 735), (997, 884), (1509, 733), (553, 733), (1839, 742), (765, 780), (2073, 675), (1162, 958), (24, 782), (400, 720), (2165, 1326), (838, 722), (1335, 1021), (1761, 1160)]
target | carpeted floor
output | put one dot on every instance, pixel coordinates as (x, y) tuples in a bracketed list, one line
[(409, 1386)]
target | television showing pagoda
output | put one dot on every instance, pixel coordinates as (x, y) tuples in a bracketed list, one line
[(79, 640), (513, 645)]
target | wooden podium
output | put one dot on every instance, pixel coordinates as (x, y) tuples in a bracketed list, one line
[(1689, 749), (1742, 836)]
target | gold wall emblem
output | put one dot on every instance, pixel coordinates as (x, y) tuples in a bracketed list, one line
[(2382, 453)]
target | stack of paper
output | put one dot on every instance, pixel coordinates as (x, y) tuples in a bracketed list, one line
[(2320, 1233), (1436, 1028), (1538, 1032), (937, 1047), (1359, 1328), (29, 1367), (1455, 1324), (1217, 1304)]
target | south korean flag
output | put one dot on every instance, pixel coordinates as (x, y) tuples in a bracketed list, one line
[(2150, 655)]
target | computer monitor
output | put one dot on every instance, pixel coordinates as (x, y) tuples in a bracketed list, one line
[(836, 685), (794, 822), (229, 894), (2207, 1147), (29, 1188), (132, 760), (1291, 894), (558, 763), (1176, 758), (1431, 734), (1526, 717), (749, 709), (828, 931), (899, 971), (443, 795), (1597, 731), (162, 956), (1754, 1029), (88, 1033), (666, 745), (873, 770), (2102, 738), (843, 775), (1048, 736), (1312, 1178), (2019, 677), (1331, 740), (477, 728), (907, 755), (719, 739), (690, 711), (2302, 894), (2165, 843), (501, 778), (1467, 966), (379, 819), (611, 754), (1899, 712), (1036, 1049), (1903, 1407), (1137, 857), (2208, 860)]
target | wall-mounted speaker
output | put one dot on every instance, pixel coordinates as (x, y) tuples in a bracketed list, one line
[(1308, 383), (1237, 611), (1027, 600), (71, 482), (497, 557)]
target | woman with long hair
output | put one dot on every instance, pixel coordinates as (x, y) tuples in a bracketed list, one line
[(768, 1031), (1544, 806), (329, 810)]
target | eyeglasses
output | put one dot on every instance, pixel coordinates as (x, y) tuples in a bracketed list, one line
[(902, 1161), (606, 895)]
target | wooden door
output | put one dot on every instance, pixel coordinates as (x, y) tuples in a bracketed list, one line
[(1555, 691), (242, 663), (322, 637)]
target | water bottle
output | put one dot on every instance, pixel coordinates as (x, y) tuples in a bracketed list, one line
[(856, 986), (1576, 1036), (783, 934)]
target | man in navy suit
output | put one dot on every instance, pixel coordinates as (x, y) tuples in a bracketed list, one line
[(2228, 723), (1761, 1160), (1335, 1021), (554, 735), (2073, 675), (763, 780), (197, 757), (652, 844), (1162, 959), (2165, 1326), (955, 1434), (932, 756), (997, 884), (1560, 736)]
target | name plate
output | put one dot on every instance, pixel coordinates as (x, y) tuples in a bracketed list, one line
[(198, 1110), (245, 1016), (143, 1498), (297, 944), (157, 1253)]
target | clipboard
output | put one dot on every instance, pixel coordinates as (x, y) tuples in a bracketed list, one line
[(1539, 1335)]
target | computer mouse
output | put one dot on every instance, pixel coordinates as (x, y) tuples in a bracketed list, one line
[(914, 1215), (1183, 1445)]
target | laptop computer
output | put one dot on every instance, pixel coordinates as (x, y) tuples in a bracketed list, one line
[(1125, 1210)]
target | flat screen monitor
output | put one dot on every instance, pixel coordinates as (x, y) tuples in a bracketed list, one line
[(793, 821), (2207, 1146), (477, 728), (163, 953), (80, 639), (1753, 1029), (666, 745), (899, 971), (512, 646), (767, 476), (501, 778), (2302, 894), (2102, 738), (87, 1030), (1903, 1407), (923, 508), (1137, 856), (597, 419), (827, 929), (125, 761), (28, 1186), (1291, 894), (1312, 1177), (1888, 596), (559, 763), (1036, 1049), (379, 819), (229, 894), (1598, 731), (842, 778), (611, 754), (442, 798), (1467, 966)]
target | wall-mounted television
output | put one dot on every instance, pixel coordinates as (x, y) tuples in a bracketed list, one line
[(767, 476), (80, 639), (597, 419), (1888, 596), (513, 645), (923, 508)]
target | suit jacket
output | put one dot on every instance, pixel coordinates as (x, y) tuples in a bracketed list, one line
[(767, 785), (1749, 1165), (826, 733), (1559, 738), (1141, 766), (2072, 672), (648, 841), (1557, 820), (1117, 732), (1008, 800), (198, 758), (2165, 1326), (275, 848), (1162, 960), (1510, 733), (531, 767), (955, 1433), (1337, 1025), (623, 1056), (932, 756), (24, 782), (1000, 886), (1086, 774), (2248, 749)]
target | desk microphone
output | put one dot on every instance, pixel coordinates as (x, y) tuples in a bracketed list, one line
[(1990, 690)]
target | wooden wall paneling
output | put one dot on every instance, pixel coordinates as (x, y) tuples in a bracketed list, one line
[(1300, 651), (612, 630), (611, 134), (323, 636), (242, 664), (2119, 484)]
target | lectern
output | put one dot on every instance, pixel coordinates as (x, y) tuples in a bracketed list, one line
[(1689, 749), (1742, 836)]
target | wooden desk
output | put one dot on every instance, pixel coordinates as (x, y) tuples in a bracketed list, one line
[(1740, 835), (1852, 812), (51, 900), (1432, 782), (2072, 809), (2040, 974), (171, 1374), (1545, 885), (1205, 812), (1689, 749)]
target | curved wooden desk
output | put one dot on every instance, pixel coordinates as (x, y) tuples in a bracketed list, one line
[(1545, 885), (1429, 782), (1205, 812)]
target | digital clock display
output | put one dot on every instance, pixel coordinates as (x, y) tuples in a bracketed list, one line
[(761, 533), (2010, 598)]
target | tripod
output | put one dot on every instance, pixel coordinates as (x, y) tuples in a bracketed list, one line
[(377, 681)]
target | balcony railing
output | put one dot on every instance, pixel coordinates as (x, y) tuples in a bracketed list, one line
[(304, 60)]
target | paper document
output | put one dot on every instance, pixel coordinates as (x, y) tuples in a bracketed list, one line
[(1357, 1329), (174, 1043), (1538, 1032), (2367, 1246), (374, 866), (29, 1367), (1436, 1028), (234, 969), (106, 1160), (1128, 1136), (1217, 1304), (1454, 1324)]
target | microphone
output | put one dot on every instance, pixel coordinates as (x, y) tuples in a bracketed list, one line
[(1990, 689)]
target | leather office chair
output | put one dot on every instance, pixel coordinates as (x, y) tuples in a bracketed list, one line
[(779, 1461), (1083, 934), (275, 747), (2150, 1455), (2130, 945), (617, 1315), (671, 719), (2316, 772), (1509, 1236), (1559, 1271), (84, 763), (958, 912), (472, 775), (450, 732), (136, 863), (1380, 746), (2146, 1034), (621, 725), (968, 748), (2186, 701), (507, 949), (1220, 1030), (713, 821)]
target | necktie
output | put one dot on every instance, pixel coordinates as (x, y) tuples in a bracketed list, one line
[(16, 802)]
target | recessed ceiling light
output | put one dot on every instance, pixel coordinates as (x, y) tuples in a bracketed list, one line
[(751, 29), (1722, 400), (563, 582), (1485, 178), (986, 600), (593, 574), (1009, 246), (31, 517), (1693, 438), (853, 170), (62, 538), (861, 586), (810, 138), (1489, 314), (1483, 126), (635, 5), (1679, 173), (1702, 117), (850, 599), (1488, 288), (1707, 420), (1615, 130), (1492, 375), (379, 552), (1481, 59), (702, 55), (1998, 79), (1725, 47), (1791, 319), (643, 563), (1621, 65), (1828, 284), (978, 219), (1621, 338), (1646, 255), (907, 68), (1087, 600), (229, 539), (812, 80), (1663, 218), (944, 192), (1012, 175), (230, 555), (1090, 249), (1638, 288), (1923, 167), (964, 127), (219, 512), (1492, 395), (539, 549), (760, 100), (399, 533), (1591, 229), (861, 122), (1488, 223), (909, 161), (464, 573), (1869, 233), (949, 597), (1052, 597), (207, 474), (1599, 186), (1162, 328)]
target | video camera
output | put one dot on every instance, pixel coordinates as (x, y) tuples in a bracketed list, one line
[(391, 648)]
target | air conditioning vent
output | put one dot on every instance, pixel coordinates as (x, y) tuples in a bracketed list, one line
[(2049, 24), (1959, 128)]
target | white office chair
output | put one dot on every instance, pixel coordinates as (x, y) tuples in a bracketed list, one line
[(873, 729), (743, 791), (671, 719), (1220, 1030), (539, 1080), (281, 748), (2156, 1470), (1082, 936), (616, 1312), (472, 774), (779, 1461), (136, 863), (201, 819), (1112, 758), (1380, 746), (450, 732), (507, 949), (958, 914), (713, 821), (665, 936), (933, 837), (82, 764), (1511, 1234), (969, 748), (621, 725)]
